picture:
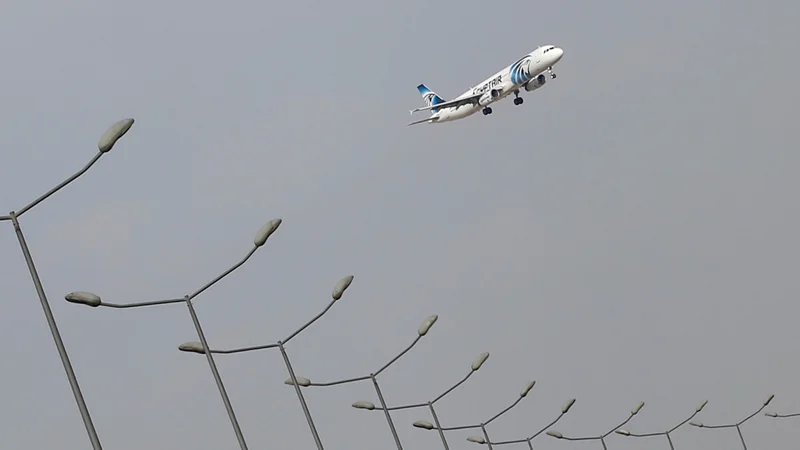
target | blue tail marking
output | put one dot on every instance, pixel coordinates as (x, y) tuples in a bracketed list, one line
[(429, 97)]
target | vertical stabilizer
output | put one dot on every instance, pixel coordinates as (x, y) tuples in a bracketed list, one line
[(429, 97)]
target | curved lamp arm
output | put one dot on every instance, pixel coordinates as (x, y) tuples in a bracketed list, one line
[(421, 332), (633, 412)]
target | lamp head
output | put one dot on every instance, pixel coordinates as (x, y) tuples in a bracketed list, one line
[(427, 324), (301, 381), (266, 231), (341, 286), (83, 298), (424, 424), (527, 388), (364, 405), (193, 346), (113, 134), (480, 360)]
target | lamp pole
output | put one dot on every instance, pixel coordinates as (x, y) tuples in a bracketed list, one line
[(106, 143), (93, 300), (425, 425), (738, 424), (665, 433), (338, 291), (483, 440), (429, 404), (602, 437), (421, 332)]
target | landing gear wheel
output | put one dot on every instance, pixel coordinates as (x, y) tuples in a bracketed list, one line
[(487, 111), (518, 101), (552, 75)]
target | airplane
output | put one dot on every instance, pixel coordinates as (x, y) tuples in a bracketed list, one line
[(526, 73)]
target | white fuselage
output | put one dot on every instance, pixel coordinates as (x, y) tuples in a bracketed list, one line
[(507, 81)]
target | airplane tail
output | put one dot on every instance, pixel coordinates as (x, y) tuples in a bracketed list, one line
[(429, 97)]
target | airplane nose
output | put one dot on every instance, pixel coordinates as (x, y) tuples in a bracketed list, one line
[(559, 53)]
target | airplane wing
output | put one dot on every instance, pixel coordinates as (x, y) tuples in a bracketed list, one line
[(427, 119), (451, 103)]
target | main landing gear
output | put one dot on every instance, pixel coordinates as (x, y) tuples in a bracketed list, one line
[(487, 110), (517, 99)]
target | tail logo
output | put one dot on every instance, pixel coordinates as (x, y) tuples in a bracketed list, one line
[(428, 98)]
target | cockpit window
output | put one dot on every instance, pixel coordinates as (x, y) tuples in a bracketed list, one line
[(548, 49)]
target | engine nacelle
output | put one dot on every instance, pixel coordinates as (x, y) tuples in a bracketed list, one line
[(536, 83), (488, 97)]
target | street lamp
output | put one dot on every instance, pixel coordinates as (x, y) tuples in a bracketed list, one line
[(602, 437), (425, 425), (338, 291), (564, 409), (666, 433), (106, 143), (736, 425), (473, 368), (781, 416), (93, 300), (421, 332)]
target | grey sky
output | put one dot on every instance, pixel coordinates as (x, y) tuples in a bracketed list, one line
[(628, 234)]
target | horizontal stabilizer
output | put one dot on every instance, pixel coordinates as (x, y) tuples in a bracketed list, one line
[(428, 120)]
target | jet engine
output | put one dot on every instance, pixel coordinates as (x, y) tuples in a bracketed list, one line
[(535, 83), (488, 97)]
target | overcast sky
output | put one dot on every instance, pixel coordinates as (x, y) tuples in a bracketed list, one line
[(628, 234)]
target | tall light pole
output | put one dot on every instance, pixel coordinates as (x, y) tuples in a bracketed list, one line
[(421, 332), (602, 437), (338, 291), (666, 433), (738, 424), (425, 425), (429, 404), (564, 409), (106, 143), (90, 299)]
